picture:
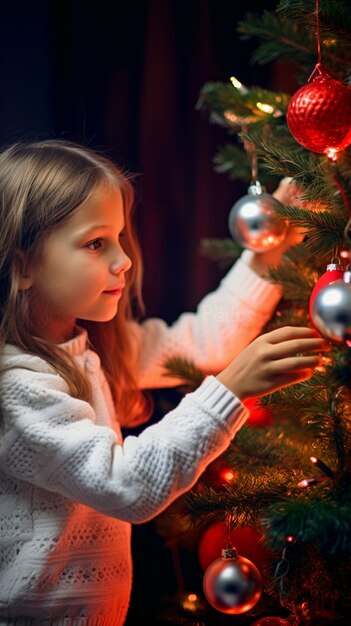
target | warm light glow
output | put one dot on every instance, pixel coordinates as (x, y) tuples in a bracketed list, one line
[(238, 119), (270, 239), (344, 254), (238, 85), (313, 459), (290, 539), (329, 42), (331, 154), (227, 475), (190, 602), (266, 108), (231, 117)]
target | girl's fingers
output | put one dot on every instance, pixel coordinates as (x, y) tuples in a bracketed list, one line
[(293, 364), (294, 347), (291, 332)]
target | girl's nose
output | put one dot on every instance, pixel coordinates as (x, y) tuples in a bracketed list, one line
[(122, 264)]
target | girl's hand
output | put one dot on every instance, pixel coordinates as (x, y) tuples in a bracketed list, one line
[(288, 192), (274, 360)]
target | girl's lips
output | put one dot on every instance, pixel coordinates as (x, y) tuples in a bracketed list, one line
[(114, 292)]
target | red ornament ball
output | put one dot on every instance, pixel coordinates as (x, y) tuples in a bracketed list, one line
[(319, 114), (246, 540), (259, 415)]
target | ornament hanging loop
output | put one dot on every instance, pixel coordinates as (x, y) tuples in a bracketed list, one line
[(318, 35), (320, 72), (254, 167), (228, 525), (252, 155)]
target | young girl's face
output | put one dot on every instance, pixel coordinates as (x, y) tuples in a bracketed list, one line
[(81, 270)]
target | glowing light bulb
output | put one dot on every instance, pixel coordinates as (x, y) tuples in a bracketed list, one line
[(331, 153), (266, 108), (239, 86)]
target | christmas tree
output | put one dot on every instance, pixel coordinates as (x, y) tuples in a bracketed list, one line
[(285, 482)]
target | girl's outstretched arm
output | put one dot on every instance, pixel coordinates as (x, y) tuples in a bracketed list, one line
[(59, 443)]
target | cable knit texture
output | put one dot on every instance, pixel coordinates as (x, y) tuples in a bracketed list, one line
[(70, 487)]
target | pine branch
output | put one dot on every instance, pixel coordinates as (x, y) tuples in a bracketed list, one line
[(333, 14), (232, 160), (179, 367), (222, 251), (282, 38), (233, 109), (290, 34), (244, 500), (309, 171), (296, 285), (311, 519), (324, 229), (257, 448)]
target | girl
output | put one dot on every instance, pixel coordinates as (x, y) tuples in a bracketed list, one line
[(71, 373)]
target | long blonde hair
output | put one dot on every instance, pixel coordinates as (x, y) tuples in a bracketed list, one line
[(41, 184)]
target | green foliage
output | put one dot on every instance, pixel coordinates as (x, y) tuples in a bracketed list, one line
[(223, 251), (312, 418), (289, 34), (184, 369)]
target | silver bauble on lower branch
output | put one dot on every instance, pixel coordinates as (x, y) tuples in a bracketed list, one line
[(331, 310), (232, 584), (254, 222)]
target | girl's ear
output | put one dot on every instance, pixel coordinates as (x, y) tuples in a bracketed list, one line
[(25, 280)]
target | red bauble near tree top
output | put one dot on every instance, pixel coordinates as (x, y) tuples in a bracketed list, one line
[(319, 114)]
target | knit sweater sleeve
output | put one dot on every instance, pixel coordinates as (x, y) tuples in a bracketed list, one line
[(50, 440), (225, 322)]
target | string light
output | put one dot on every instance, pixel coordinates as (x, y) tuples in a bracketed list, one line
[(307, 482), (239, 86), (322, 466), (190, 602), (261, 106), (227, 475)]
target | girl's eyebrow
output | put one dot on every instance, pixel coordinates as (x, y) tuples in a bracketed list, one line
[(94, 227)]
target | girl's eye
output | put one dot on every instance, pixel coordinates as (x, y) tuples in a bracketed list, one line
[(95, 244)]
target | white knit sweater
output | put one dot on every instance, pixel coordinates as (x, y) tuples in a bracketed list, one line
[(70, 487)]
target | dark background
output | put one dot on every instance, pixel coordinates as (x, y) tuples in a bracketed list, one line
[(124, 78)]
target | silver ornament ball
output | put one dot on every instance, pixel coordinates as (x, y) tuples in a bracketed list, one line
[(232, 585), (254, 223), (331, 311)]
